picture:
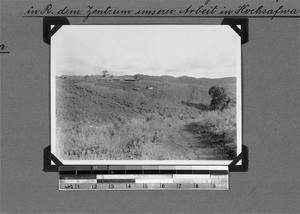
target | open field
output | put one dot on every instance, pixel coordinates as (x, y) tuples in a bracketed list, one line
[(153, 118)]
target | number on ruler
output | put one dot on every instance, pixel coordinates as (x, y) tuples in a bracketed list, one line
[(145, 186), (178, 185), (77, 186), (163, 185), (111, 186), (94, 186), (196, 185), (128, 186)]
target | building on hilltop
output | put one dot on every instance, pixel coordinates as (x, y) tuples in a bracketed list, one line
[(129, 79)]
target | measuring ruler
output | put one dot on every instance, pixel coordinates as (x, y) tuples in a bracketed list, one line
[(178, 178)]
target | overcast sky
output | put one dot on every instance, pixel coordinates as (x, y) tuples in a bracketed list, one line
[(209, 51)]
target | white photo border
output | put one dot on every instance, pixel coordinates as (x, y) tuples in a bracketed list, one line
[(149, 162)]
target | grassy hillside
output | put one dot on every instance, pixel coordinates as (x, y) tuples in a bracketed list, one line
[(154, 118)]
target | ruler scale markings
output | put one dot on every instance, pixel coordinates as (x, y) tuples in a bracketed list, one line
[(95, 186), (154, 176), (189, 180), (136, 186), (197, 172), (117, 172), (168, 185), (167, 171), (187, 186), (183, 167), (134, 171), (218, 172), (151, 171), (125, 176), (184, 171), (153, 180), (154, 185), (90, 181), (117, 186), (100, 172), (143, 177), (105, 186), (76, 177), (118, 180), (190, 176)]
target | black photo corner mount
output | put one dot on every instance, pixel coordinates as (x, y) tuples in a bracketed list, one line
[(243, 156), (243, 32), (48, 157), (58, 22)]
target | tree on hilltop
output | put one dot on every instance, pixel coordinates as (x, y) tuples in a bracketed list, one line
[(137, 77), (104, 73)]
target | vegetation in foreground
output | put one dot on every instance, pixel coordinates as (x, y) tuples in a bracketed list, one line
[(147, 134), (145, 138)]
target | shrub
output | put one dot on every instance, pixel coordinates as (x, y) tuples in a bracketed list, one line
[(137, 77), (220, 100)]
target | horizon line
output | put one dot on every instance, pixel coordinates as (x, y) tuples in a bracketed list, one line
[(148, 75)]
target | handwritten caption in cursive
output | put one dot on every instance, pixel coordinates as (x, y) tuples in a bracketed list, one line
[(206, 9)]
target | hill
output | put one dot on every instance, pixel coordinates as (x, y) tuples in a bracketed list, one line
[(89, 108)]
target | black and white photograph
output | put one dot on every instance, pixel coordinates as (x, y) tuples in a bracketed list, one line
[(163, 107), (146, 93)]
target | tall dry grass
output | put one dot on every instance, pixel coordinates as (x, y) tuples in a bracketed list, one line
[(136, 139), (219, 129), (144, 137)]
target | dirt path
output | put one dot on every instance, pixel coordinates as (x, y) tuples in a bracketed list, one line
[(189, 143)]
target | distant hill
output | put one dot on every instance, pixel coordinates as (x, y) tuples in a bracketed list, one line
[(188, 80), (170, 79)]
